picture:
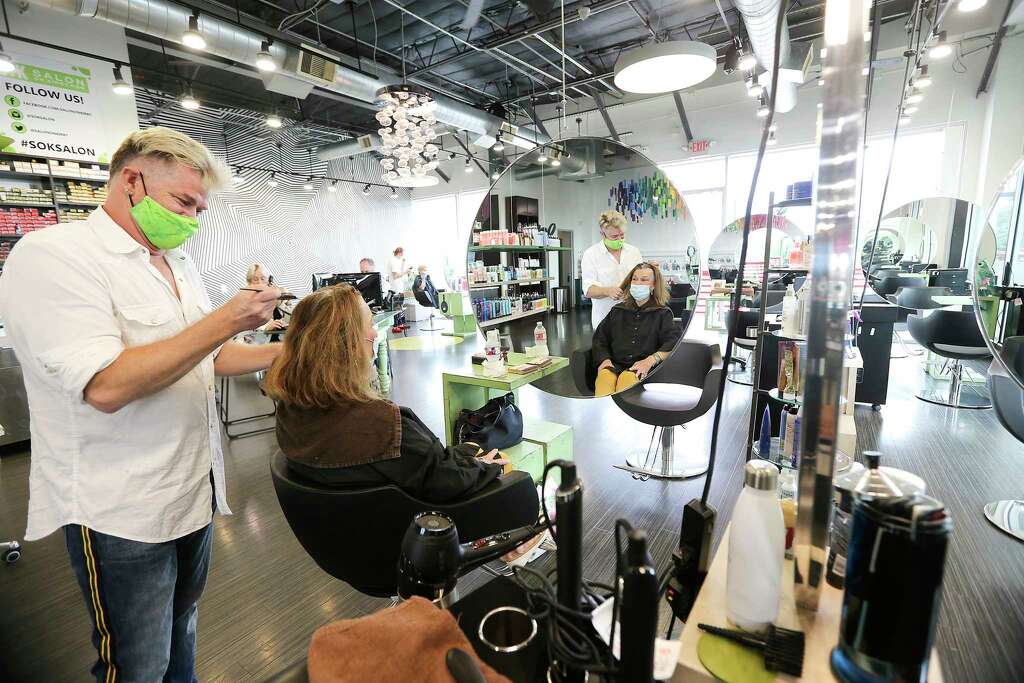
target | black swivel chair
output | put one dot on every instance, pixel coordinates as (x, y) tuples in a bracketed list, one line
[(955, 336), (678, 294), (1008, 399), (683, 389), (774, 298), (921, 298), (745, 320), (428, 298), (356, 534)]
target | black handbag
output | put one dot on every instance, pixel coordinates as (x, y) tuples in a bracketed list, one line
[(498, 424)]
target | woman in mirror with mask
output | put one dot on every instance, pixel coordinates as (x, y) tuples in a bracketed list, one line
[(637, 334), (334, 429)]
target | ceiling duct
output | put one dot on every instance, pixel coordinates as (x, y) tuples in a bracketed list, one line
[(584, 159), (168, 21), (759, 16), (348, 148)]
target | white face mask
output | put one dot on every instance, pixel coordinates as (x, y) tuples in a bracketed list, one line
[(640, 292)]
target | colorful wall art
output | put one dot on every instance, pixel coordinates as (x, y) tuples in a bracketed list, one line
[(648, 196)]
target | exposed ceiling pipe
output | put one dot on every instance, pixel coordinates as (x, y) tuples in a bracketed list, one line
[(168, 21), (349, 148), (759, 16)]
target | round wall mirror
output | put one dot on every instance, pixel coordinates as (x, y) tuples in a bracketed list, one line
[(920, 244), (785, 253), (584, 247)]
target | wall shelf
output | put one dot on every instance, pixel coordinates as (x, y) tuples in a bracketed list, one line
[(516, 248), (806, 201), (495, 285), (509, 318)]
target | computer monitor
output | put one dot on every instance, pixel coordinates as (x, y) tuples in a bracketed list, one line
[(954, 278), (369, 285)]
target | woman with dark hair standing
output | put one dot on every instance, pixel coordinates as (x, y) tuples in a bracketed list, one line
[(335, 429), (637, 333)]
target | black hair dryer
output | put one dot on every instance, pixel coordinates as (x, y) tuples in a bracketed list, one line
[(432, 558)]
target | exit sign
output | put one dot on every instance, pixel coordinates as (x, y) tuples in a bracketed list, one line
[(698, 146)]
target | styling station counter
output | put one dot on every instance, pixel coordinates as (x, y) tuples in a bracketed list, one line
[(13, 402)]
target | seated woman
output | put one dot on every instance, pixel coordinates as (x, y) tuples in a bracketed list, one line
[(424, 284), (335, 430), (637, 334)]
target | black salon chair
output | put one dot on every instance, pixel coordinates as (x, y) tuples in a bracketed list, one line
[(774, 298), (428, 298), (679, 292), (355, 534), (683, 389), (745, 321), (955, 336), (1008, 400), (920, 298)]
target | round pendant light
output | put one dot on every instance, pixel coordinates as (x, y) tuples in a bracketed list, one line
[(665, 67)]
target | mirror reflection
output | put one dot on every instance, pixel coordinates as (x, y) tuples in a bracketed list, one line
[(584, 256), (999, 275), (920, 244)]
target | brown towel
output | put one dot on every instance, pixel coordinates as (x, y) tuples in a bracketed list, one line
[(400, 644), (345, 435)]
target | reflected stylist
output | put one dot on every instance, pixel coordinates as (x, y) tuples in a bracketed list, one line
[(119, 347)]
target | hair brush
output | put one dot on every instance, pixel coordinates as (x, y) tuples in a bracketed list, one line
[(783, 649)]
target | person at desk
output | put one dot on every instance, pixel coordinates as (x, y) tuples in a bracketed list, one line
[(335, 430), (366, 265), (637, 333), (605, 264)]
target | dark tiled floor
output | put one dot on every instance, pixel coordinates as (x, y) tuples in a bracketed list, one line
[(265, 596)]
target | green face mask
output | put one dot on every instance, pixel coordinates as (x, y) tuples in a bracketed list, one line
[(161, 226), (614, 245)]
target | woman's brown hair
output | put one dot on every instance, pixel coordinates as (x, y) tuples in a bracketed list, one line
[(659, 292), (326, 358)]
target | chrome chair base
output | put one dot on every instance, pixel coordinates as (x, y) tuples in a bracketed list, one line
[(1007, 515), (970, 396), (645, 465)]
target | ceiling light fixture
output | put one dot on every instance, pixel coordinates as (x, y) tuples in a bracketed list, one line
[(762, 109), (771, 137), (274, 121), (366, 190), (237, 178), (754, 89), (941, 49), (923, 80), (910, 110), (308, 185), (865, 71), (555, 163), (499, 146), (468, 168), (904, 120), (192, 37), (120, 86), (333, 187), (451, 156), (189, 102), (542, 157), (914, 97), (748, 62), (264, 60), (970, 5), (6, 63), (272, 180), (665, 67), (495, 175), (407, 134), (394, 193)]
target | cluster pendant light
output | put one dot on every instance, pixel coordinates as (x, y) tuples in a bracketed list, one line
[(407, 135)]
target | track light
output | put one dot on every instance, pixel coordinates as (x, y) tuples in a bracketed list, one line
[(308, 185), (904, 119), (394, 193), (6, 63), (499, 146), (495, 175), (555, 163), (910, 110), (237, 178), (333, 187), (366, 190), (274, 121), (914, 97), (451, 156), (747, 60), (264, 60), (771, 137), (542, 157), (189, 102), (754, 89), (468, 168), (120, 86), (970, 5), (923, 80), (762, 109), (941, 48), (272, 180), (192, 37)]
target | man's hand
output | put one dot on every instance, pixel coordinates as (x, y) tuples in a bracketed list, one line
[(642, 368), (614, 293), (248, 310), (607, 363), (275, 325)]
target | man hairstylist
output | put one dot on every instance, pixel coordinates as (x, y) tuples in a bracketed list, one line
[(119, 348), (605, 265)]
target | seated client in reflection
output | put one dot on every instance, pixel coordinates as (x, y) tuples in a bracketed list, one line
[(335, 430), (637, 333)]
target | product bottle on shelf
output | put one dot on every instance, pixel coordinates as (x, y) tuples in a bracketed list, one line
[(764, 442), (790, 321), (757, 543)]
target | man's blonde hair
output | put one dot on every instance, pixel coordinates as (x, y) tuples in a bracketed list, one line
[(612, 219), (170, 145)]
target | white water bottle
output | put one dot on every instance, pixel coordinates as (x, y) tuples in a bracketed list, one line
[(757, 544), (790, 319), (540, 339)]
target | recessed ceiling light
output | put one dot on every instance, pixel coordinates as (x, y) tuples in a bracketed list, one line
[(192, 37), (665, 67)]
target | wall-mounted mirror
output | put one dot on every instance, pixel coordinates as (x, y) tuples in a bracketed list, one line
[(999, 275), (555, 249), (920, 244), (786, 248)]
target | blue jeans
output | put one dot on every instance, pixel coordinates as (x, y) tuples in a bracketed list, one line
[(142, 599)]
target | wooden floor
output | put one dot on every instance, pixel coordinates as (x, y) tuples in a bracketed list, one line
[(265, 596)]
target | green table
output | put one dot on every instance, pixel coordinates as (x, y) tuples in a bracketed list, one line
[(470, 388), (383, 322)]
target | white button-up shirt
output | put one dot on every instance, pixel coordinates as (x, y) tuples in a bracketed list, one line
[(599, 267), (73, 297)]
